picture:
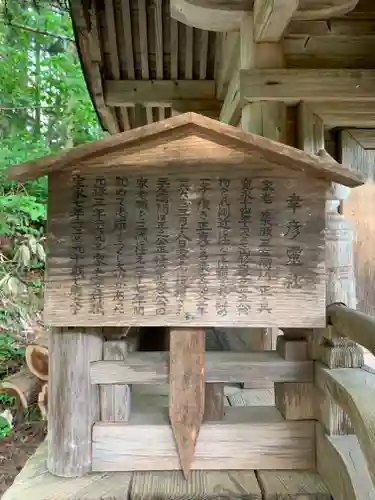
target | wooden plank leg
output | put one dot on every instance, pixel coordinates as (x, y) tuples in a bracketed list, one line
[(73, 404), (186, 386)]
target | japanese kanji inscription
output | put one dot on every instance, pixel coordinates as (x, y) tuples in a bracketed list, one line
[(163, 248)]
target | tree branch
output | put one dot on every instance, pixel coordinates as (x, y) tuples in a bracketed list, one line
[(44, 33)]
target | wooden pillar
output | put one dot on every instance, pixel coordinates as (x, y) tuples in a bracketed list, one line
[(73, 404), (263, 118), (336, 351)]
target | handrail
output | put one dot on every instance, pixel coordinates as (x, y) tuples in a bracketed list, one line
[(354, 390), (353, 324)]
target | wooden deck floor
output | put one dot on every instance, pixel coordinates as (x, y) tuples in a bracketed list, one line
[(35, 483)]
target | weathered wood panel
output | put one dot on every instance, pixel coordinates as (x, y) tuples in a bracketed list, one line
[(202, 245), (247, 438)]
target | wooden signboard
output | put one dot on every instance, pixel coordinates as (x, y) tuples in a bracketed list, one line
[(216, 246)]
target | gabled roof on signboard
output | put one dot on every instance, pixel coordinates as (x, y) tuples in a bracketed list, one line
[(182, 126)]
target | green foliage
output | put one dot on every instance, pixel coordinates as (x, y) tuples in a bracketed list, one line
[(21, 214), (5, 427), (45, 104), (45, 107)]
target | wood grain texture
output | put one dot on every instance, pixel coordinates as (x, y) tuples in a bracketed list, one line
[(152, 368), (341, 464), (186, 390), (115, 400), (354, 390), (34, 482), (200, 485), (247, 438), (358, 208), (73, 402), (241, 247), (292, 485)]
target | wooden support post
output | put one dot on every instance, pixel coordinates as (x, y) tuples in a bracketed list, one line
[(73, 401), (294, 400), (335, 352), (115, 399), (262, 118), (186, 390)]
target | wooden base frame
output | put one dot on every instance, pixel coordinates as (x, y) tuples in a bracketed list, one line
[(247, 438)]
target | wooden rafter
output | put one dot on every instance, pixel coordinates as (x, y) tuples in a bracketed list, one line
[(113, 62)]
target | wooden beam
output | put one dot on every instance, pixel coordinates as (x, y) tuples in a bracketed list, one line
[(295, 85), (156, 92), (267, 442), (186, 390), (271, 18), (354, 114), (152, 368)]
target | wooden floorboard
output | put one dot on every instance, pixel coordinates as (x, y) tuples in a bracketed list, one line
[(200, 485), (34, 482), (292, 485)]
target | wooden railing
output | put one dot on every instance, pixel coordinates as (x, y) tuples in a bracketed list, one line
[(353, 324), (353, 389)]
